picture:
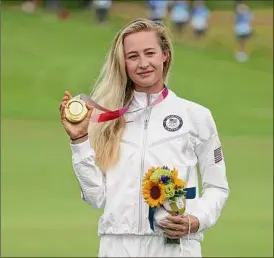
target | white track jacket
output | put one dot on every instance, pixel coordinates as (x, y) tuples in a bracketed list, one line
[(175, 133)]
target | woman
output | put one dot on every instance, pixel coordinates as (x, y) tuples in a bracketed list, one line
[(180, 16), (200, 16), (111, 160), (243, 30), (102, 8), (157, 10)]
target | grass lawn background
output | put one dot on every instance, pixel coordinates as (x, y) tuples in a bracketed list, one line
[(42, 213)]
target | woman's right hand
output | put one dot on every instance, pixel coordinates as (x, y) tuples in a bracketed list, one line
[(78, 130)]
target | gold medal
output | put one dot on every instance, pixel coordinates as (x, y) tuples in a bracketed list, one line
[(76, 110)]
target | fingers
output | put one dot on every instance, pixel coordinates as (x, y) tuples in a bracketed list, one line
[(89, 107), (67, 94), (62, 105), (62, 109), (90, 110), (175, 234), (65, 98), (176, 231), (175, 227), (176, 219), (171, 226)]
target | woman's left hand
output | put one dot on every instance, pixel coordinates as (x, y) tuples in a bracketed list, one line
[(176, 226)]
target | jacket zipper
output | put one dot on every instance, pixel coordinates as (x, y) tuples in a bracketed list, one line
[(146, 120)]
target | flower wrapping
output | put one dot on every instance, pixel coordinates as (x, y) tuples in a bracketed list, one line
[(165, 193)]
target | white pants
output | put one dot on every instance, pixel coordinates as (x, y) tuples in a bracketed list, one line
[(146, 246)]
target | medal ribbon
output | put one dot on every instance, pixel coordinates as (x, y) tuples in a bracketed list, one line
[(111, 115)]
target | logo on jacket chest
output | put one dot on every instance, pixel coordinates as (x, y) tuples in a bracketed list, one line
[(173, 123)]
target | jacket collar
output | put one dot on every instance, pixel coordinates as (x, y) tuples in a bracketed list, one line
[(142, 99)]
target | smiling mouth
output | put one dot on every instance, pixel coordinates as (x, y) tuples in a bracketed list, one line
[(145, 73)]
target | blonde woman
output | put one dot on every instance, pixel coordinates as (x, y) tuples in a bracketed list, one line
[(111, 157)]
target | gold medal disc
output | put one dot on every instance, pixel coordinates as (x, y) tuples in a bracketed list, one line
[(76, 110)]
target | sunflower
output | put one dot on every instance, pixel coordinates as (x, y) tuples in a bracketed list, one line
[(179, 183), (148, 174), (153, 193)]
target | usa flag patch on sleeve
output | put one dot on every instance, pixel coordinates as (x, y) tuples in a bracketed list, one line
[(218, 156)]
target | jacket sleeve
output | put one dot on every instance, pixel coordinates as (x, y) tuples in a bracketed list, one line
[(215, 189), (89, 176)]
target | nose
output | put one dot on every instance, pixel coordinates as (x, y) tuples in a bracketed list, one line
[(143, 62)]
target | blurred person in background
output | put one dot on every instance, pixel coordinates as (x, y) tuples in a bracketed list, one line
[(52, 5), (179, 16), (85, 3), (243, 30), (236, 2), (102, 8), (111, 154), (29, 6), (157, 10), (199, 20)]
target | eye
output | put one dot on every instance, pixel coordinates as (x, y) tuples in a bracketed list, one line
[(150, 53), (133, 57)]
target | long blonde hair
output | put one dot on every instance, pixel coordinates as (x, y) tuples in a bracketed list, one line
[(114, 89)]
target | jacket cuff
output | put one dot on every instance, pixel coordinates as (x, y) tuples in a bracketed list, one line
[(81, 150), (202, 217)]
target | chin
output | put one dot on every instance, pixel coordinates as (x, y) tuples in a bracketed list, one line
[(145, 83)]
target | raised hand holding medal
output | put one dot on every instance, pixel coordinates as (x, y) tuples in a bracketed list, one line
[(75, 116)]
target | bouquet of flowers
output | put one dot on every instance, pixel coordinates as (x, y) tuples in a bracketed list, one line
[(162, 188)]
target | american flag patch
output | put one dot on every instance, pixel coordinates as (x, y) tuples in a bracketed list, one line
[(218, 156)]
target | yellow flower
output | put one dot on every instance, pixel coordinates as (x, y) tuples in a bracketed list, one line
[(153, 193), (179, 183), (148, 174)]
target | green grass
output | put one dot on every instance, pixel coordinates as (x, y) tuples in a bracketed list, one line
[(42, 213)]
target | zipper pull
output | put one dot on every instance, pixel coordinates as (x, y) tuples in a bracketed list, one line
[(146, 123)]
